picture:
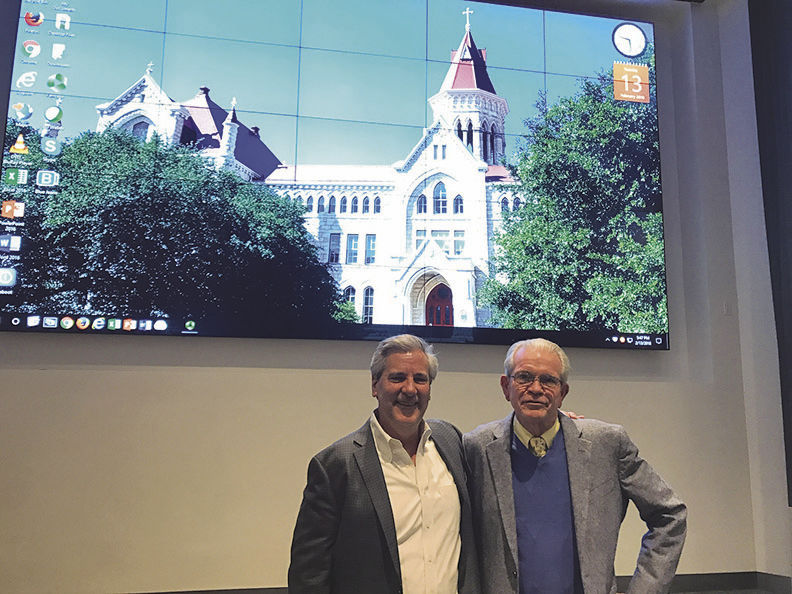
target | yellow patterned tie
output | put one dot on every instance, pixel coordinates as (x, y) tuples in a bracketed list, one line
[(538, 446)]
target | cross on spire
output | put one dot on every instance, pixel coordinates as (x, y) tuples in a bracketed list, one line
[(467, 12), (149, 67)]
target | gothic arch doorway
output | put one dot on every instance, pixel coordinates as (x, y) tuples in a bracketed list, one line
[(440, 306)]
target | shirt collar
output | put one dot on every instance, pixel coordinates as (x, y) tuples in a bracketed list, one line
[(525, 436), (388, 446)]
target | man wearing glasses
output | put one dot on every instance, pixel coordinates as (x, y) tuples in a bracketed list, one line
[(549, 493)]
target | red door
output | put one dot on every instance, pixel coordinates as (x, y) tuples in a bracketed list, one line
[(440, 307)]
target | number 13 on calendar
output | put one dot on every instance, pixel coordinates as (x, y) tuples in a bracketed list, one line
[(630, 82)]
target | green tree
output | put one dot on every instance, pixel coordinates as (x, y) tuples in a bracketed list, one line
[(151, 229), (345, 312), (586, 248)]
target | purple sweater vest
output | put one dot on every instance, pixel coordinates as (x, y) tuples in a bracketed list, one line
[(547, 555)]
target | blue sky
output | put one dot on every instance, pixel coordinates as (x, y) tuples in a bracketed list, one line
[(359, 73)]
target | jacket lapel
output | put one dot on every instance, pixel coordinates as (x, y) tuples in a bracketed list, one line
[(371, 470), (453, 463), (499, 458), (578, 451)]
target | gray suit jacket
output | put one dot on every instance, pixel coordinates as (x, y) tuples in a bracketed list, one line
[(605, 472), (345, 538)]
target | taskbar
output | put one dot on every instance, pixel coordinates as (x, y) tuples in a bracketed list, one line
[(250, 328), (96, 324)]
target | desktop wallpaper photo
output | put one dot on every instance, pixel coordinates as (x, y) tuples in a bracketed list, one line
[(462, 170)]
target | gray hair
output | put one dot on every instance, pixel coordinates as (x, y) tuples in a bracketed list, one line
[(539, 344), (403, 343)]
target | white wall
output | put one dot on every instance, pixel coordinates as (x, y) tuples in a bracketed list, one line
[(137, 463)]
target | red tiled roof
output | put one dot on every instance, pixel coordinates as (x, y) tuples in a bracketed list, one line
[(468, 67), (206, 120), (498, 173)]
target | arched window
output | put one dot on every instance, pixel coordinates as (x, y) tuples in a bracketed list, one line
[(298, 200), (458, 206), (470, 136), (440, 201), (485, 142), (320, 204), (287, 197), (516, 204), (420, 206), (343, 206), (368, 305), (459, 130), (309, 204), (140, 130), (377, 205), (354, 204), (505, 204), (365, 205), (492, 142), (349, 294), (331, 204)]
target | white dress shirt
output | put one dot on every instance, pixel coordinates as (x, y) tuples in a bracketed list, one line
[(425, 505)]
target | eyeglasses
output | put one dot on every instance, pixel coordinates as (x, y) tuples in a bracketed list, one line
[(525, 378)]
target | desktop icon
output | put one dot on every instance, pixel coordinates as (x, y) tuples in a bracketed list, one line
[(31, 48), (10, 243), (27, 79), (114, 324), (57, 50), (51, 146), (62, 21), (15, 177), (19, 147), (129, 324), (8, 277), (22, 111), (57, 81), (33, 321), (11, 209), (82, 323), (145, 325), (47, 178), (53, 113), (189, 325), (50, 322), (34, 19), (66, 322), (98, 324), (161, 325)]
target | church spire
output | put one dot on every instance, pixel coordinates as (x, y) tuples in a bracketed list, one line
[(468, 68), (467, 102)]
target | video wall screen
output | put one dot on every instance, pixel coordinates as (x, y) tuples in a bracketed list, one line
[(465, 171)]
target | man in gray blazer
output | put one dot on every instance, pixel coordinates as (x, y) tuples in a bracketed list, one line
[(386, 509), (549, 493)]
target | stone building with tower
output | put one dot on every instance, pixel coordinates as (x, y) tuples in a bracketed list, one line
[(409, 243)]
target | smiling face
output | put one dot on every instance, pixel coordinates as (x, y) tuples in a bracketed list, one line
[(403, 394), (535, 405)]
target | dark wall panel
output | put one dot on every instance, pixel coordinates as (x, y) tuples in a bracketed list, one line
[(771, 21)]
